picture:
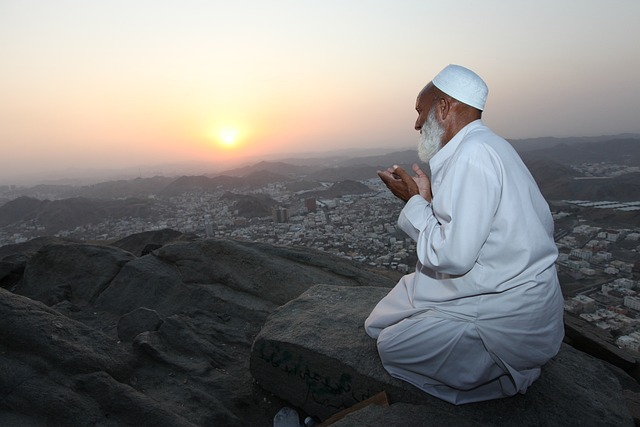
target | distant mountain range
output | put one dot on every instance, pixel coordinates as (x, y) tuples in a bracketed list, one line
[(624, 151), (558, 182), (549, 159), (339, 189), (77, 211), (69, 213), (529, 144)]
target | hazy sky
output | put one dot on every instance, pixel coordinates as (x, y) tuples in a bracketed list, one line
[(109, 84)]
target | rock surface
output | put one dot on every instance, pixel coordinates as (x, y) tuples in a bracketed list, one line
[(71, 272), (157, 330), (314, 353), (109, 338), (142, 243), (138, 321)]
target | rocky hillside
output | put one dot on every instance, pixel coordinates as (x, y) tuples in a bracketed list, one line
[(157, 329)]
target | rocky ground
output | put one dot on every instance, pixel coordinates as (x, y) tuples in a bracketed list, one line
[(155, 329)]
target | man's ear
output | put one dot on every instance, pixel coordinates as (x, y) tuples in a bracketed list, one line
[(443, 108)]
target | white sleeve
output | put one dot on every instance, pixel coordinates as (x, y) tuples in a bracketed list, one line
[(453, 229), (405, 224)]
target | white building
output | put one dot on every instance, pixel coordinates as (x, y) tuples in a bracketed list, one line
[(632, 302), (613, 236), (582, 254), (625, 283), (584, 229), (581, 304), (587, 271), (577, 265)]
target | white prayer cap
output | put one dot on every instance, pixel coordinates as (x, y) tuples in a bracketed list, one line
[(462, 84)]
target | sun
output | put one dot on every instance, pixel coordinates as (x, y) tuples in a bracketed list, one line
[(228, 137)]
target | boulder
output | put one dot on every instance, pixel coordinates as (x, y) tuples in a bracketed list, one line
[(71, 272), (210, 273), (143, 243), (273, 273), (144, 282), (314, 353), (32, 246)]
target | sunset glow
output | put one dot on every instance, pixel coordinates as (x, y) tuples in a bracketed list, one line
[(228, 137), (221, 82)]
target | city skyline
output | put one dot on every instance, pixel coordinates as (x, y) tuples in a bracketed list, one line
[(117, 84)]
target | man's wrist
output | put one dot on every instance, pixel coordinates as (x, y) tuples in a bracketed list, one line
[(420, 196)]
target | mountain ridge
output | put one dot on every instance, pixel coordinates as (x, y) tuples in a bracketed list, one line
[(554, 169), (617, 148), (76, 178)]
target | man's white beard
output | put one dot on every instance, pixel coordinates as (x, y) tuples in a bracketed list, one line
[(430, 137)]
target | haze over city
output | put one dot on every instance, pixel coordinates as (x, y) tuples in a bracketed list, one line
[(108, 85)]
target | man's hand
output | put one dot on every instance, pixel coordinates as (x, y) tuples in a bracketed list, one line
[(403, 186), (423, 183)]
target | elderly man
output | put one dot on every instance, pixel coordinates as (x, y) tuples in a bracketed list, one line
[(483, 310)]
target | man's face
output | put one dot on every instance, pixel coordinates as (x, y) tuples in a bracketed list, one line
[(431, 134), (424, 103)]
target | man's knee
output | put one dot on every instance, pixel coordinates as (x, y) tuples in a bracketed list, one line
[(387, 344)]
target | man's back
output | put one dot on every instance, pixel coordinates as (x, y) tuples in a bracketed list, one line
[(490, 214)]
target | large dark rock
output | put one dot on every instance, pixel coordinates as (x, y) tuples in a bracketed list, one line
[(30, 247), (71, 272), (275, 274), (204, 274), (143, 243), (314, 353), (144, 282), (161, 339)]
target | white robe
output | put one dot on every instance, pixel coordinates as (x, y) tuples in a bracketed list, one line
[(483, 310)]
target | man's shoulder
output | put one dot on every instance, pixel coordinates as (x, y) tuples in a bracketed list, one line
[(480, 131), (481, 139), (478, 141)]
